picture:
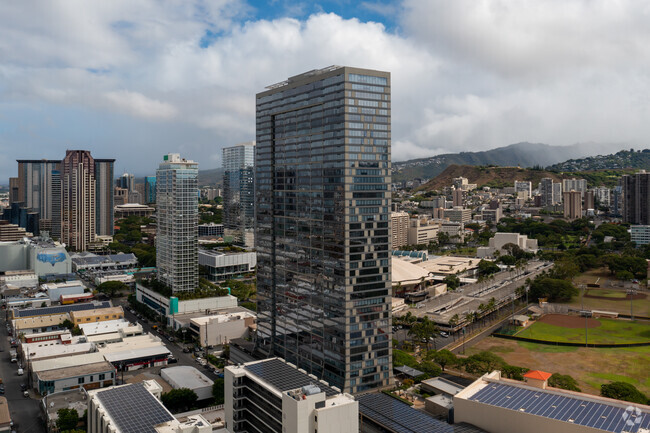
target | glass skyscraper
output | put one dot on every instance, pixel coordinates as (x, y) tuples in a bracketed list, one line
[(323, 202), (177, 216), (150, 189), (239, 192)]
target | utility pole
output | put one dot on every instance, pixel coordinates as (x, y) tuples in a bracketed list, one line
[(631, 292)]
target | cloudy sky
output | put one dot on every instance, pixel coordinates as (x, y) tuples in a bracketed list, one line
[(134, 79)]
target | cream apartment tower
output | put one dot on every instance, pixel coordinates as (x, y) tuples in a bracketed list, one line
[(177, 203)]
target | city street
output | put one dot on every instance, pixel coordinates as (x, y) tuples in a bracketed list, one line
[(25, 412)]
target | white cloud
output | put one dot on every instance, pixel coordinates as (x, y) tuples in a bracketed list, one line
[(466, 74), (139, 105)]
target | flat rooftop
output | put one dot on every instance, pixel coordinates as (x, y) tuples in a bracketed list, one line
[(72, 399), (63, 373), (60, 309), (398, 417), (284, 376), (570, 407), (133, 408), (185, 376)]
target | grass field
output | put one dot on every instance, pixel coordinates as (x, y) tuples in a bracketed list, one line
[(609, 288), (610, 331), (590, 367)]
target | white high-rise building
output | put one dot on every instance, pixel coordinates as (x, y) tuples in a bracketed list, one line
[(574, 185), (524, 186), (177, 200)]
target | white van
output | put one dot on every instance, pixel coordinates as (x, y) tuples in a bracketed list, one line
[(20, 372)]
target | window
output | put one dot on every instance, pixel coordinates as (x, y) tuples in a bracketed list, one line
[(102, 376), (80, 380)]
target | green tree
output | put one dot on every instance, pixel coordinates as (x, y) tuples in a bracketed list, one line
[(486, 267), (111, 288), (555, 290), (483, 362), (444, 358), (513, 372), (563, 381), (218, 391), (623, 391), (179, 400), (67, 323), (67, 419), (452, 282)]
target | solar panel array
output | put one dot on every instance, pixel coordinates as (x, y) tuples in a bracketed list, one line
[(285, 377), (60, 309), (399, 417), (573, 410), (133, 408)]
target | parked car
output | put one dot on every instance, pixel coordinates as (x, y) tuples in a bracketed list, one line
[(20, 372), (172, 360), (444, 335)]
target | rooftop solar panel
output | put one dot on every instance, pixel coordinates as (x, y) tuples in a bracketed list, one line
[(399, 417), (285, 377), (133, 408), (573, 410), (60, 309)]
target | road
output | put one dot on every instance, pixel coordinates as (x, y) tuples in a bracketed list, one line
[(25, 412), (175, 348), (469, 297)]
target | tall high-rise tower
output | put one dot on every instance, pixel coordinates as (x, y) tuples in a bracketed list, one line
[(37, 190), (149, 189), (177, 216), (239, 192), (78, 216), (636, 198), (104, 204), (323, 200)]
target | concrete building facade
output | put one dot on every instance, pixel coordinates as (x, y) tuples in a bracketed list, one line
[(78, 206), (178, 219), (399, 225)]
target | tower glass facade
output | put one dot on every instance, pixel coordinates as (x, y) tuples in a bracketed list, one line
[(239, 192), (178, 219), (323, 202), (150, 189), (105, 206)]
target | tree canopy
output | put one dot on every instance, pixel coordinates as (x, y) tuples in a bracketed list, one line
[(623, 391), (179, 400), (67, 419)]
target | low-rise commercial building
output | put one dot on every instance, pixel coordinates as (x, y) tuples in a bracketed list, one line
[(640, 234), (41, 256), (89, 376), (188, 377), (501, 405), (219, 328), (55, 290), (98, 315), (87, 261), (500, 240), (223, 266), (136, 408), (172, 306), (133, 209), (272, 396), (37, 324), (136, 352), (19, 278), (5, 416)]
